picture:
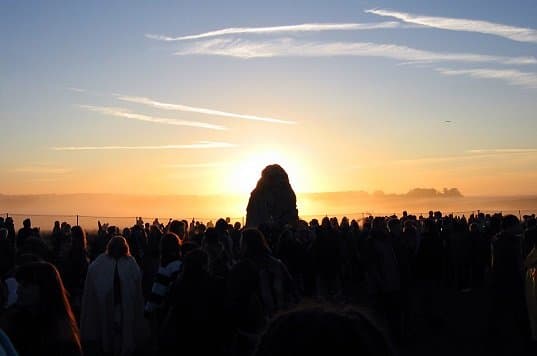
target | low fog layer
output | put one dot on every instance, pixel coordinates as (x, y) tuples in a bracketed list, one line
[(355, 204)]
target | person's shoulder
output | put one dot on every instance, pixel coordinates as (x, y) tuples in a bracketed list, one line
[(243, 267), (6, 344), (98, 261), (172, 267), (129, 260)]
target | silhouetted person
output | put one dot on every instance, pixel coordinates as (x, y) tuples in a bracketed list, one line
[(290, 252), (221, 227), (9, 279), (155, 234), (383, 276), (196, 236), (61, 238), (179, 228), (460, 255), (429, 268), (220, 259), (509, 310), (319, 330), (112, 320), (138, 242), (41, 322), (24, 233), (36, 246), (236, 239), (530, 264), (152, 257), (10, 226), (480, 255), (259, 285), (104, 233), (170, 265), (305, 281), (74, 268), (326, 252), (7, 254), (530, 236), (196, 322), (403, 249), (507, 262), (56, 239)]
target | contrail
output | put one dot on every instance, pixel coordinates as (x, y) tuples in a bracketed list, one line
[(41, 170), (307, 27), (519, 34), (198, 145), (286, 47), (511, 76), (119, 112), (504, 150), (180, 107)]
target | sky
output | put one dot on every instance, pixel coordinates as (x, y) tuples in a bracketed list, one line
[(196, 97)]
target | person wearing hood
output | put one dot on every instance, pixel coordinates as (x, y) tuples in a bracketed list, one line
[(112, 317)]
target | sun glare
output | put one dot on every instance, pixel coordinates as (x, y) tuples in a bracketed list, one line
[(248, 170)]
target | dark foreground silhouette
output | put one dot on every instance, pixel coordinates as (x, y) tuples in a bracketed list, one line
[(382, 286)]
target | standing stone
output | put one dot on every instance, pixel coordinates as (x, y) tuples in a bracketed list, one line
[(273, 200)]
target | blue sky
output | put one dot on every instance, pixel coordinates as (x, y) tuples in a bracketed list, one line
[(356, 117)]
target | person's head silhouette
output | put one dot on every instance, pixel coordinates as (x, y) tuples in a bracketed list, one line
[(117, 247), (178, 228), (321, 330), (253, 244), (78, 237), (41, 292), (170, 248)]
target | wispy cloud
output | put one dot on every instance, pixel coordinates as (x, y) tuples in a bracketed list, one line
[(306, 27), (288, 47), (193, 146), (47, 179), (180, 107), (511, 76), (519, 34), (503, 150), (78, 90), (124, 113), (198, 165), (41, 170), (474, 154), (425, 160)]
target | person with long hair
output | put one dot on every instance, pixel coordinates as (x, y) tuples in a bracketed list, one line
[(220, 259), (170, 265), (41, 322), (112, 317), (74, 268), (196, 320), (259, 286)]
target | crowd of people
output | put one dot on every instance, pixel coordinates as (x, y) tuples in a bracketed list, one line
[(316, 287)]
